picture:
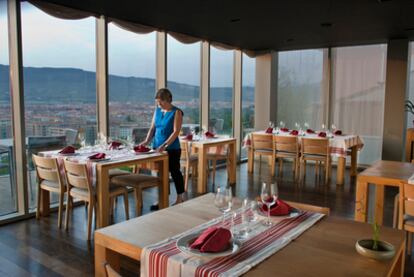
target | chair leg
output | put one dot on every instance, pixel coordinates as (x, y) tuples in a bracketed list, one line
[(409, 243), (187, 172), (193, 175), (395, 214), (90, 211), (326, 172), (138, 201), (126, 205), (60, 211), (280, 167), (272, 169), (39, 190), (68, 210), (214, 163)]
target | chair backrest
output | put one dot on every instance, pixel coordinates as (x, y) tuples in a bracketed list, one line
[(185, 153), (110, 272), (310, 208), (286, 144), (262, 141), (47, 169), (406, 202), (315, 146), (77, 175)]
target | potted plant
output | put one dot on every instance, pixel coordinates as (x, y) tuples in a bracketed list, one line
[(409, 107)]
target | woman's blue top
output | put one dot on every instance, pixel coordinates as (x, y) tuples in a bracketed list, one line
[(164, 127)]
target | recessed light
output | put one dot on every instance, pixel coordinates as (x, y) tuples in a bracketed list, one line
[(289, 40), (409, 29), (326, 24), (234, 20)]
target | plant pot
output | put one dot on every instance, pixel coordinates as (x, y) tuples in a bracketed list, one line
[(385, 250)]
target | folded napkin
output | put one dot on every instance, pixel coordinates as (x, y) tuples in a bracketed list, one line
[(338, 133), (141, 149), (277, 209), (67, 150), (322, 134), (115, 145), (97, 156), (294, 132), (269, 130), (284, 129), (189, 137), (214, 239), (310, 131), (209, 134)]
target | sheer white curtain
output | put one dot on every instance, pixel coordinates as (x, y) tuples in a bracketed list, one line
[(357, 100)]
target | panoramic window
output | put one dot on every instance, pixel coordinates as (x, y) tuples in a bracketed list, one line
[(131, 59), (300, 94), (221, 91), (248, 84), (410, 95), (358, 91), (8, 195), (59, 83), (183, 74)]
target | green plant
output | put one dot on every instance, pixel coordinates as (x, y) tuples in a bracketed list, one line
[(375, 236), (409, 106)]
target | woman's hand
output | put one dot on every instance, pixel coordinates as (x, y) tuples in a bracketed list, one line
[(161, 148), (144, 143)]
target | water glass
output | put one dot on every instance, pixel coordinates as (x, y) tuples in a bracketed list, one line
[(223, 200)]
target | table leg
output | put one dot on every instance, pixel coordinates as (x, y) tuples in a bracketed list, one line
[(44, 202), (202, 168), (102, 256), (250, 160), (165, 183), (379, 204), (354, 161), (103, 196), (399, 266), (361, 201), (340, 171), (232, 163)]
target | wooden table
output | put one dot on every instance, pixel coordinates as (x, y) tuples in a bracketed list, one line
[(326, 249), (381, 173), (202, 148)]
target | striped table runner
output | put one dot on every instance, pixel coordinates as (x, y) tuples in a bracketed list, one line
[(165, 259)]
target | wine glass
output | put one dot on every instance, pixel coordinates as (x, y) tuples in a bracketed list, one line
[(223, 200), (323, 127), (282, 124), (82, 139), (271, 124), (297, 126), (269, 196), (306, 125), (333, 127), (130, 142)]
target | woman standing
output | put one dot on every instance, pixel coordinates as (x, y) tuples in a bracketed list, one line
[(164, 131)]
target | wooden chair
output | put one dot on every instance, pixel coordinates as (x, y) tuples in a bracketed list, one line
[(262, 145), (316, 149), (406, 213), (286, 147), (214, 155), (49, 179), (110, 272), (79, 187), (188, 161), (138, 182)]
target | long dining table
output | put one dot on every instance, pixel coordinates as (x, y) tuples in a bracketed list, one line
[(99, 174), (326, 249), (340, 146)]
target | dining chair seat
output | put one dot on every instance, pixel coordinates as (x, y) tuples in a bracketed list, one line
[(409, 220), (50, 186), (84, 193), (117, 171)]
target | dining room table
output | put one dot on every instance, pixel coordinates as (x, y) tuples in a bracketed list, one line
[(326, 248), (98, 171), (340, 146)]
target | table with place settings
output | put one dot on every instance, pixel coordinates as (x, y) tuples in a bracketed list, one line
[(98, 172)]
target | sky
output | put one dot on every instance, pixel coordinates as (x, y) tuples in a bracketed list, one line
[(53, 42)]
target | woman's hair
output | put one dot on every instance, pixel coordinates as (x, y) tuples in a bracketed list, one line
[(164, 94)]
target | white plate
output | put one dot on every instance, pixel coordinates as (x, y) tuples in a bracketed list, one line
[(184, 243), (144, 153), (68, 154), (293, 213)]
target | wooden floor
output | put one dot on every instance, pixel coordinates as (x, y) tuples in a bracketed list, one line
[(39, 248)]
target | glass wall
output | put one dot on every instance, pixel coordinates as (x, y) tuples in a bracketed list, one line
[(59, 83), (248, 84), (131, 59), (8, 193), (358, 90), (410, 91), (183, 79), (221, 91), (300, 97)]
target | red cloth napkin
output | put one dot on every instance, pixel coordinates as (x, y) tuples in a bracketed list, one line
[(209, 134), (310, 131), (97, 156), (294, 132), (115, 145), (338, 133), (141, 149), (284, 129), (277, 209), (269, 130), (189, 137), (67, 150), (212, 240), (322, 135)]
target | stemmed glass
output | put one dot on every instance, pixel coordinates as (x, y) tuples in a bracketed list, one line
[(82, 139), (271, 124), (333, 127), (282, 124), (323, 127), (223, 200), (130, 142), (269, 196), (306, 125)]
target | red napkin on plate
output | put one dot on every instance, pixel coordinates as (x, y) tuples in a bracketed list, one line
[(269, 130), (212, 240), (310, 131), (115, 145), (294, 132), (141, 149), (338, 133), (277, 209), (189, 137), (67, 150), (97, 156), (322, 135), (284, 129), (209, 134)]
